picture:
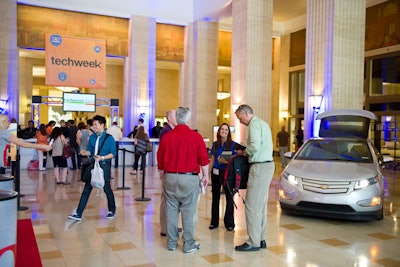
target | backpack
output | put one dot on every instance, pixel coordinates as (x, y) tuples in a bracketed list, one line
[(236, 174)]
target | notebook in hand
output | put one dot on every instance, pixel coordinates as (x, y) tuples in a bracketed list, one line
[(226, 154)]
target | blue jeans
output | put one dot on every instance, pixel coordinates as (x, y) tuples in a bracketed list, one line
[(106, 166), (282, 151)]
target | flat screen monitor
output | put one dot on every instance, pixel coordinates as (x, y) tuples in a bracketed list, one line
[(79, 102)]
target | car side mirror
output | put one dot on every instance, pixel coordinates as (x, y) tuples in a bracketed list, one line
[(387, 158), (289, 154)]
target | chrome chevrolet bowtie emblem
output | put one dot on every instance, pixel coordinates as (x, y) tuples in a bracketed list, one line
[(324, 186)]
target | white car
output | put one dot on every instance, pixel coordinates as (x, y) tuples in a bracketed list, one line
[(337, 175)]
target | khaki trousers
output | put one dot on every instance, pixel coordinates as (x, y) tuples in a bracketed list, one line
[(260, 177), (181, 193)]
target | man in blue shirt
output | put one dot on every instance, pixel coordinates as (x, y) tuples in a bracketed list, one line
[(106, 151)]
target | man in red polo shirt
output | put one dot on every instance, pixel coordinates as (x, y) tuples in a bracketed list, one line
[(181, 154)]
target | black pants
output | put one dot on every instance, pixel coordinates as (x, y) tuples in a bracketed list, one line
[(216, 181), (76, 157), (142, 164)]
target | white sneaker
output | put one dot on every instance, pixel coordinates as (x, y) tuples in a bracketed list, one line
[(75, 217), (194, 249)]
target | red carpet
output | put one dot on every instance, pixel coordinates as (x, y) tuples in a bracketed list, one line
[(27, 249)]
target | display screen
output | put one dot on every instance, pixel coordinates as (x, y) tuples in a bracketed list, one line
[(79, 102)]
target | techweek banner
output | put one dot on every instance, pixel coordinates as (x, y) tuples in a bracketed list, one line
[(75, 62)]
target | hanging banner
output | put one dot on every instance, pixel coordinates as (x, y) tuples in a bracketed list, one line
[(75, 62)]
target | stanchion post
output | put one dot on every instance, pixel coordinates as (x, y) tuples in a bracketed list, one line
[(143, 180), (17, 178), (123, 172), (117, 156)]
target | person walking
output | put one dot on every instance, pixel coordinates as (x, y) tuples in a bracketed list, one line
[(180, 153), (116, 132), (171, 123), (218, 164), (259, 151), (140, 140), (101, 148), (82, 136), (282, 143), (60, 164), (75, 157), (42, 138)]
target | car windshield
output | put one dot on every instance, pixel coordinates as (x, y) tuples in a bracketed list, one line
[(342, 150)]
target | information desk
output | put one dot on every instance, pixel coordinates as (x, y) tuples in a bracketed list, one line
[(27, 154), (129, 145)]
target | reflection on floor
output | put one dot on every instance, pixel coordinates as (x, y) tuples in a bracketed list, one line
[(133, 237)]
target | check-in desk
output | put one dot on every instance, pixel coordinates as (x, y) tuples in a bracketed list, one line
[(129, 144)]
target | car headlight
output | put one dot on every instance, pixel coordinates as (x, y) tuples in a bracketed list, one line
[(360, 184), (291, 178)]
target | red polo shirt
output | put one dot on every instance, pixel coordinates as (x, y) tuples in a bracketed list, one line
[(182, 150)]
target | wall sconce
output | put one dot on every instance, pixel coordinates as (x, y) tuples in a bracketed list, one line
[(284, 114), (3, 103), (217, 112), (316, 101), (227, 116)]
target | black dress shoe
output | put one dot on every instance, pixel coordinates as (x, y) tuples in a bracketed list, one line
[(212, 226), (246, 247), (229, 229), (263, 244)]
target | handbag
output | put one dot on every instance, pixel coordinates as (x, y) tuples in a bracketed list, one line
[(67, 151), (141, 146), (86, 169), (33, 165), (149, 147), (97, 176)]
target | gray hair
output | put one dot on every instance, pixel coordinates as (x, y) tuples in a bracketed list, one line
[(183, 115), (244, 108)]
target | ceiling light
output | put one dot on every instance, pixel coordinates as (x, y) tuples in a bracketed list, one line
[(67, 88)]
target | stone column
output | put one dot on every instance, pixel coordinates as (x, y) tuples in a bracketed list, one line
[(200, 84), (334, 56), (140, 73), (9, 84), (251, 59)]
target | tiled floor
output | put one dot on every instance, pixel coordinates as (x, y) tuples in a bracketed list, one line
[(133, 237)]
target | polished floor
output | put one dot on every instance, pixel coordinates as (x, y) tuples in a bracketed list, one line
[(133, 237)]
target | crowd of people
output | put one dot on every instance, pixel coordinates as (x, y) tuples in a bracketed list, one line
[(184, 164)]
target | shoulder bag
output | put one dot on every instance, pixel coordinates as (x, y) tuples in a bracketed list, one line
[(88, 165)]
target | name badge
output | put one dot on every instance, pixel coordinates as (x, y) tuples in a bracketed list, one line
[(215, 171)]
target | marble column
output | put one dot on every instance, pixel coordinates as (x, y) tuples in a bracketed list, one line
[(334, 57), (140, 73), (251, 59), (200, 81), (9, 84)]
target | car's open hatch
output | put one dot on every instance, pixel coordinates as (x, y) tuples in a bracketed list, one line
[(345, 123)]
